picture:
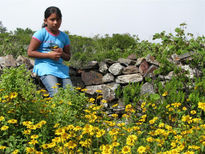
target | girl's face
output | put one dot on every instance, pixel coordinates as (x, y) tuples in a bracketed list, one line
[(53, 22)]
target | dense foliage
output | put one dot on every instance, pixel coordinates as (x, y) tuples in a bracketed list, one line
[(169, 121)]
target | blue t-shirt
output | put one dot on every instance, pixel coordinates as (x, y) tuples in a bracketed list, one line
[(49, 66)]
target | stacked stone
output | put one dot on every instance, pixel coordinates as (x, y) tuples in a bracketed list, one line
[(108, 75)]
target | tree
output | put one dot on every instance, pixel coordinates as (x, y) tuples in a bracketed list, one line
[(21, 31), (2, 28)]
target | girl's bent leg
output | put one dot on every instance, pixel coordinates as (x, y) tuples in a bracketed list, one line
[(50, 82), (66, 82)]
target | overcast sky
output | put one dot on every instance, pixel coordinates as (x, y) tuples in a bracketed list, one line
[(91, 17)]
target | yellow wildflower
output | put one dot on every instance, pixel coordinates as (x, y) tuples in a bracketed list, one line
[(70, 127), (77, 128), (153, 120), (176, 105), (15, 151), (77, 88), (131, 139), (84, 90), (42, 122), (126, 149), (12, 121), (59, 131), (194, 147), (91, 100), (159, 131), (115, 144), (45, 146), (51, 145), (149, 139), (3, 128), (99, 97), (86, 143), (88, 129), (70, 145), (30, 150), (56, 125), (196, 120), (114, 115), (27, 132), (165, 93), (27, 123), (161, 125), (98, 91), (103, 101), (106, 149), (189, 152), (193, 112), (33, 142), (33, 127), (201, 105), (141, 149), (34, 136), (1, 118), (13, 95), (46, 95), (2, 147), (143, 104), (114, 131), (115, 105), (100, 133), (186, 118), (56, 140), (121, 124), (129, 108)]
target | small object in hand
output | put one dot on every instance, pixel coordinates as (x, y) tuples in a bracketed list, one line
[(55, 47)]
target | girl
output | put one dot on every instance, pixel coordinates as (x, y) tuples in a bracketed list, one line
[(50, 46)]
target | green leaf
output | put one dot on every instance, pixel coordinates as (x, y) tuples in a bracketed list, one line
[(154, 97)]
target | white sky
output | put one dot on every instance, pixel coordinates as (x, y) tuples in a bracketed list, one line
[(91, 17)]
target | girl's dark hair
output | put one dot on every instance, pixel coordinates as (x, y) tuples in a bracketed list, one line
[(50, 10)]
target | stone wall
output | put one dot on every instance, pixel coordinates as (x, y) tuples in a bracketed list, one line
[(108, 75)]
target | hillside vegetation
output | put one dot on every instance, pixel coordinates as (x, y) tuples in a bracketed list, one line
[(170, 121)]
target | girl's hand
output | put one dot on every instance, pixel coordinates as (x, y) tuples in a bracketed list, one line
[(55, 55), (58, 50)]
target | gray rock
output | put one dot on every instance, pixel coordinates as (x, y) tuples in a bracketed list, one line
[(124, 61), (116, 69), (150, 59), (108, 90), (147, 88), (177, 58), (91, 77), (109, 61), (143, 67), (150, 71), (77, 81), (91, 65), (7, 61), (129, 78), (139, 61), (189, 69), (108, 78), (131, 69), (72, 71), (103, 67), (24, 60)]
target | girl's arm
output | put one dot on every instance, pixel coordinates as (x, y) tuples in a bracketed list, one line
[(66, 53), (32, 51)]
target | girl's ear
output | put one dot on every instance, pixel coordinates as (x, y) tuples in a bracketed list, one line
[(45, 21)]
